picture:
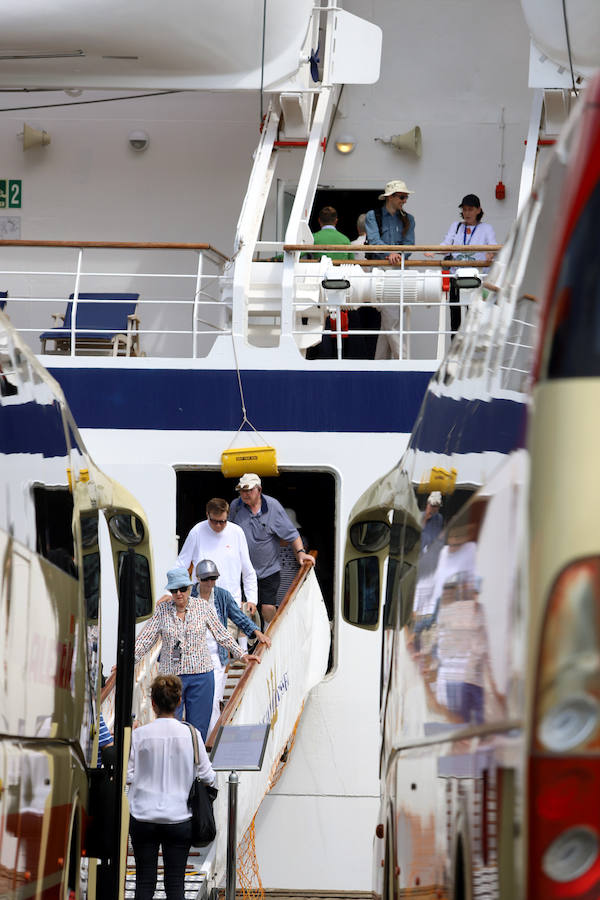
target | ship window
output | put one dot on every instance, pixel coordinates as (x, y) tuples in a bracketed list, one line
[(143, 597), (361, 591), (574, 350)]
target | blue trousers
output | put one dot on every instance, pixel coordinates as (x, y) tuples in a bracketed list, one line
[(197, 698)]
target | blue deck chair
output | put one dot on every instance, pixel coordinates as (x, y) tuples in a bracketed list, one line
[(117, 324)]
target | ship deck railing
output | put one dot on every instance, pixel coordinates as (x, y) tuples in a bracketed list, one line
[(186, 292)]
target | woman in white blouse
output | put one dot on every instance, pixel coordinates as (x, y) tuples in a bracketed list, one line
[(181, 623), (160, 775), (461, 234)]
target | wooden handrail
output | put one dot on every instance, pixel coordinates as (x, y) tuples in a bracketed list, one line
[(232, 703), (387, 248), (115, 245)]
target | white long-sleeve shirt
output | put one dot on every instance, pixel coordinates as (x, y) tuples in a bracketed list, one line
[(462, 235), (229, 550), (161, 770)]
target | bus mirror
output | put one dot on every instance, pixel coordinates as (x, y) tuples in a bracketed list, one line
[(127, 528), (369, 537)]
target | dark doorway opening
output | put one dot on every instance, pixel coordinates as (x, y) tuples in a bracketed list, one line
[(54, 526), (310, 494), (349, 205)]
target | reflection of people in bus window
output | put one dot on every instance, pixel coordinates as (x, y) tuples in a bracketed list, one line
[(432, 520), (458, 555), (462, 649)]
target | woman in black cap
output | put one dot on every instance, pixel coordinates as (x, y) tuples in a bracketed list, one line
[(468, 230)]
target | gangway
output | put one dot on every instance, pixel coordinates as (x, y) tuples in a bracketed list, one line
[(273, 691)]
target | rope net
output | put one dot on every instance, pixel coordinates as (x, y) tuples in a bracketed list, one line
[(248, 873)]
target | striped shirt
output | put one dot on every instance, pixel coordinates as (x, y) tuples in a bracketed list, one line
[(184, 650)]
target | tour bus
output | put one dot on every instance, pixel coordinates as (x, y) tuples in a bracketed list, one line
[(488, 599), (59, 515)]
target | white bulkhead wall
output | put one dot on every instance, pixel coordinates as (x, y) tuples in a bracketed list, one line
[(448, 67)]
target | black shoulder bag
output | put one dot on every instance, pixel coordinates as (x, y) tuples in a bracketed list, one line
[(200, 803)]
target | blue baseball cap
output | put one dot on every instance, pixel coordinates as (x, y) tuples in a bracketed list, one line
[(177, 578)]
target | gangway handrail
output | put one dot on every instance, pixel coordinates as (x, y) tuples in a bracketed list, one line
[(234, 701), (116, 245)]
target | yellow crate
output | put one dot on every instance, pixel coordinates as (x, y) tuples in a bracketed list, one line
[(260, 460), (438, 479)]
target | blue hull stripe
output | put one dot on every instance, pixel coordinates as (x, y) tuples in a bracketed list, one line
[(209, 400), (449, 426)]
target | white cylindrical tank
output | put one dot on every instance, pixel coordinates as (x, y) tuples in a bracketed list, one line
[(546, 23)]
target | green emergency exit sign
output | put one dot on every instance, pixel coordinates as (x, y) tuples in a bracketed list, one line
[(10, 193)]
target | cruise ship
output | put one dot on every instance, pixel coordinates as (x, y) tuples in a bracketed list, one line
[(176, 181)]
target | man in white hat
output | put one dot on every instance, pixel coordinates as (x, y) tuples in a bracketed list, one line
[(433, 521), (390, 225), (265, 523)]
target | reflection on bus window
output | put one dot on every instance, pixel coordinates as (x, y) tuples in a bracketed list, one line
[(361, 591), (575, 336), (143, 597), (369, 537), (91, 584)]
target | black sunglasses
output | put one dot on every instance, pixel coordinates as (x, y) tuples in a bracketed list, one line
[(181, 590), (210, 578), (217, 521)]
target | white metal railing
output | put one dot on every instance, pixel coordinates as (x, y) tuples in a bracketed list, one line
[(185, 298)]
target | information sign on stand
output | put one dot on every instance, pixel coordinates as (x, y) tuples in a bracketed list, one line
[(238, 748)]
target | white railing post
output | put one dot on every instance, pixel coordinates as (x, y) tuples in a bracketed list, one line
[(195, 310), (401, 322), (75, 299)]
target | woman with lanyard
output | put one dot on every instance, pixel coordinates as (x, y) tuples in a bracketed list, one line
[(469, 230), (181, 623)]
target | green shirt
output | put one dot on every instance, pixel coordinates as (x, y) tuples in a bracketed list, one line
[(332, 236)]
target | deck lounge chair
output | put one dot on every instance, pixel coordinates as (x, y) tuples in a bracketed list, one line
[(101, 326)]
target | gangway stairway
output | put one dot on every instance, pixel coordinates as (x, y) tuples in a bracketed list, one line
[(273, 691)]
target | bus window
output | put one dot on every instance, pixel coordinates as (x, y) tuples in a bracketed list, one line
[(361, 591), (91, 564), (574, 338), (143, 596)]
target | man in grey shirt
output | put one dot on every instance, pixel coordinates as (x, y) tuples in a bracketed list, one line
[(265, 523)]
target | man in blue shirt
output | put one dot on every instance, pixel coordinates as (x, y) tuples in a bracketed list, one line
[(265, 523), (391, 225)]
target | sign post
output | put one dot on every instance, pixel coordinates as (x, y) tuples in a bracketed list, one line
[(238, 748)]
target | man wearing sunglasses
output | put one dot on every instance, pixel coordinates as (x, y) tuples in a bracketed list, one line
[(225, 543), (390, 225)]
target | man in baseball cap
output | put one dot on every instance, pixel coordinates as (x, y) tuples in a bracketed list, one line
[(265, 523)]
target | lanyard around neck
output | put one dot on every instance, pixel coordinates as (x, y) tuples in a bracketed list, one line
[(465, 241)]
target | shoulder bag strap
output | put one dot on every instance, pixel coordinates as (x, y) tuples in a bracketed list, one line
[(195, 743)]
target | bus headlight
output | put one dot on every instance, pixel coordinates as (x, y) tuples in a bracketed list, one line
[(571, 854), (569, 722)]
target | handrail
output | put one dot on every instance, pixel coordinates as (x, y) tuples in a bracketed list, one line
[(227, 712), (115, 245), (387, 248), (415, 263), (233, 701)]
